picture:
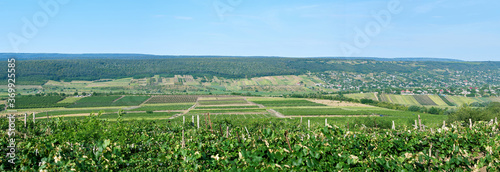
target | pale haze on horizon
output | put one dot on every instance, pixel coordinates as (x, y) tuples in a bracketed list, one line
[(459, 29)]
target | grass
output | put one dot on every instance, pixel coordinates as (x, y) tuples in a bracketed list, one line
[(130, 101), (361, 96), (95, 101), (282, 103), (131, 116), (437, 100), (318, 111), (424, 100), (227, 110), (460, 100), (225, 107), (39, 102), (66, 112), (446, 101), (163, 107), (172, 99), (222, 102), (70, 100), (214, 118)]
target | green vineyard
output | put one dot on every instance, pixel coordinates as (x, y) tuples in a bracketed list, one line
[(263, 144)]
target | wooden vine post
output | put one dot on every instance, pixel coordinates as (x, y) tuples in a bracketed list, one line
[(198, 120), (33, 117), (288, 142), (220, 129), (25, 118), (247, 132), (210, 121), (470, 123), (393, 126), (238, 135), (206, 121), (183, 143), (420, 123)]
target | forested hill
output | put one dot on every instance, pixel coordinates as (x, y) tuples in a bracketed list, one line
[(40, 71), (56, 56)]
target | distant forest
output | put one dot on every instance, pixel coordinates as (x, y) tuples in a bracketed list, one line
[(40, 71)]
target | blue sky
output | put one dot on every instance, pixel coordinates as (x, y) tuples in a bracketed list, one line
[(460, 29)]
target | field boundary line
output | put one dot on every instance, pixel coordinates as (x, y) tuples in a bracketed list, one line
[(337, 116), (118, 98), (276, 113), (186, 111), (146, 100), (249, 102)]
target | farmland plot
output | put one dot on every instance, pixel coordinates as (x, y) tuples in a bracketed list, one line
[(282, 103), (172, 99), (130, 101), (95, 101), (23, 102), (318, 111), (424, 100)]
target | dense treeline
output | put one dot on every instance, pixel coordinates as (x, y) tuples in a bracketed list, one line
[(39, 71), (466, 112)]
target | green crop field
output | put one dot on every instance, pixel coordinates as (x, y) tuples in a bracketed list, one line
[(176, 106), (67, 112), (23, 102), (460, 100), (281, 103), (70, 100), (172, 99), (226, 107), (221, 117), (447, 101), (94, 101), (361, 96), (384, 98), (130, 116), (436, 99), (130, 101), (222, 102), (424, 100), (227, 110), (402, 99), (318, 111)]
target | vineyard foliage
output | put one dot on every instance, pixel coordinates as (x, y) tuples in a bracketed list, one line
[(319, 111), (23, 102), (172, 99), (130, 101), (94, 101), (282, 103), (446, 101), (424, 100), (222, 102), (163, 107), (93, 144), (225, 107)]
